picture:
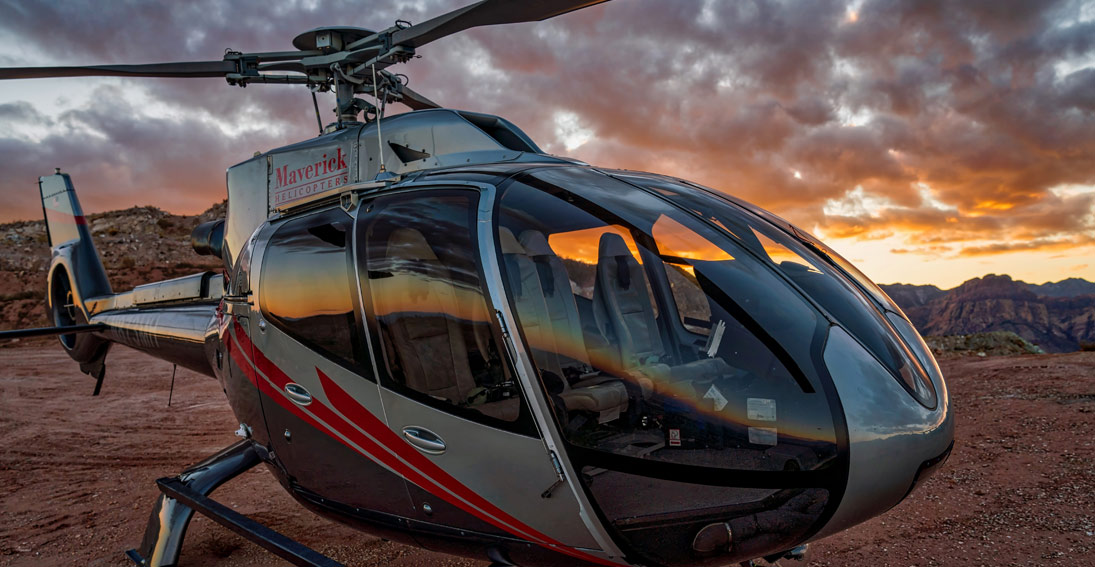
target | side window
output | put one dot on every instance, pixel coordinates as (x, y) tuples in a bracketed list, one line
[(306, 288), (239, 283), (433, 323)]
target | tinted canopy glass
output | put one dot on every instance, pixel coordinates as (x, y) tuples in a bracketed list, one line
[(656, 336), (306, 286), (843, 291), (425, 294)]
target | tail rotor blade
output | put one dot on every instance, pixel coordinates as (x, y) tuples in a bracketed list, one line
[(186, 69), (486, 13)]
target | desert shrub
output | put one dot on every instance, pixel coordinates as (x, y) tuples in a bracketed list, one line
[(1087, 346), (164, 223), (128, 262)]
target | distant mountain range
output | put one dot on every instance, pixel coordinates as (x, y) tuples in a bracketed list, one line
[(1058, 317), (145, 244)]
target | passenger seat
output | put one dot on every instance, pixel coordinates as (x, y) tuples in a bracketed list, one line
[(625, 314), (605, 398), (426, 331), (430, 348)]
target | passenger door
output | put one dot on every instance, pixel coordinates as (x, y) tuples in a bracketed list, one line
[(313, 368), (457, 416)]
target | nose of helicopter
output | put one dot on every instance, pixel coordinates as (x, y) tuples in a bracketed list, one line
[(894, 442)]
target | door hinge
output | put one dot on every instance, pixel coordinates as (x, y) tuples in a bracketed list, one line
[(507, 338), (561, 477)]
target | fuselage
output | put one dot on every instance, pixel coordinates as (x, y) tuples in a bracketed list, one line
[(562, 363)]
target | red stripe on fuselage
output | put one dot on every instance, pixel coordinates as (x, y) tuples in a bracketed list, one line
[(272, 381), (53, 215), (380, 450), (356, 415), (358, 429)]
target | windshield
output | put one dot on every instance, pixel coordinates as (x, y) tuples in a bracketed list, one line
[(823, 275), (658, 337)]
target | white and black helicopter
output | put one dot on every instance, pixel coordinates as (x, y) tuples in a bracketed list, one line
[(431, 330)]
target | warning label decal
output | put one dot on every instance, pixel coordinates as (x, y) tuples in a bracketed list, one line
[(763, 435), (761, 409), (715, 396)]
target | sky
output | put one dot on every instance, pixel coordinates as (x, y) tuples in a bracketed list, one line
[(929, 142)]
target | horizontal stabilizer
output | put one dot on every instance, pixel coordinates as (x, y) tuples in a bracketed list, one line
[(48, 331)]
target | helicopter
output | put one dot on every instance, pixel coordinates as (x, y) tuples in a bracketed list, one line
[(431, 330)]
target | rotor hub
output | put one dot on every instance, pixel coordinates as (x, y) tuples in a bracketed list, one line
[(329, 39)]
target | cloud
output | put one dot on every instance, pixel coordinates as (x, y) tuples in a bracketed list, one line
[(933, 251), (142, 159), (1043, 245), (21, 112), (986, 105)]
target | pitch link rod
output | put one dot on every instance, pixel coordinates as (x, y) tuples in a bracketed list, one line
[(272, 56), (242, 80)]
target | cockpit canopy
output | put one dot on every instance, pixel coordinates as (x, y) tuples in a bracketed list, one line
[(679, 337)]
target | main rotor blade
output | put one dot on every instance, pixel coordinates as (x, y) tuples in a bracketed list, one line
[(486, 13), (185, 69), (417, 101)]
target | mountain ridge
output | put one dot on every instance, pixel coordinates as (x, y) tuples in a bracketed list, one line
[(144, 244), (1056, 316)]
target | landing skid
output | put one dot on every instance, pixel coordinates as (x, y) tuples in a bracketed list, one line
[(188, 493), (794, 554)]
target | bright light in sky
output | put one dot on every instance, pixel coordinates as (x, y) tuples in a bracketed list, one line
[(891, 260), (927, 197), (1072, 190), (569, 130), (855, 203), (851, 118)]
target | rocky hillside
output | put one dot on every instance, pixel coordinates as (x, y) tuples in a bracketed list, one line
[(995, 343), (138, 245), (1057, 317)]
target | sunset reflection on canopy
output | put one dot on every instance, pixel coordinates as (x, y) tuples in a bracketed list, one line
[(581, 245)]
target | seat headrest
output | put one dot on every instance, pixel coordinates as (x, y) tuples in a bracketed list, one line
[(612, 245), (508, 242), (409, 244), (536, 244)]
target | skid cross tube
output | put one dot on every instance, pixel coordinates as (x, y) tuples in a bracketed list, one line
[(274, 542), (188, 493)]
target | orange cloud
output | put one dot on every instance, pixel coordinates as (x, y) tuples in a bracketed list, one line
[(991, 109)]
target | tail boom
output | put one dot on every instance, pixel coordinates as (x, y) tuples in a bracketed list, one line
[(171, 320)]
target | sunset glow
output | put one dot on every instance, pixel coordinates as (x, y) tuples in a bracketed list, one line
[(927, 143)]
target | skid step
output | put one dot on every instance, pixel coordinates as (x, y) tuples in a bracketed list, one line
[(274, 542)]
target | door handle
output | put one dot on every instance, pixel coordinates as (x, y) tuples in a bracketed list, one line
[(425, 440), (298, 394)]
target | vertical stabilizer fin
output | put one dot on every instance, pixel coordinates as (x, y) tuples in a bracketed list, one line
[(67, 227)]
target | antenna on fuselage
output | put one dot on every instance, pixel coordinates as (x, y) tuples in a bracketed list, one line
[(379, 115)]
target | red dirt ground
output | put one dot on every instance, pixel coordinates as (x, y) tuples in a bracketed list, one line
[(77, 473)]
